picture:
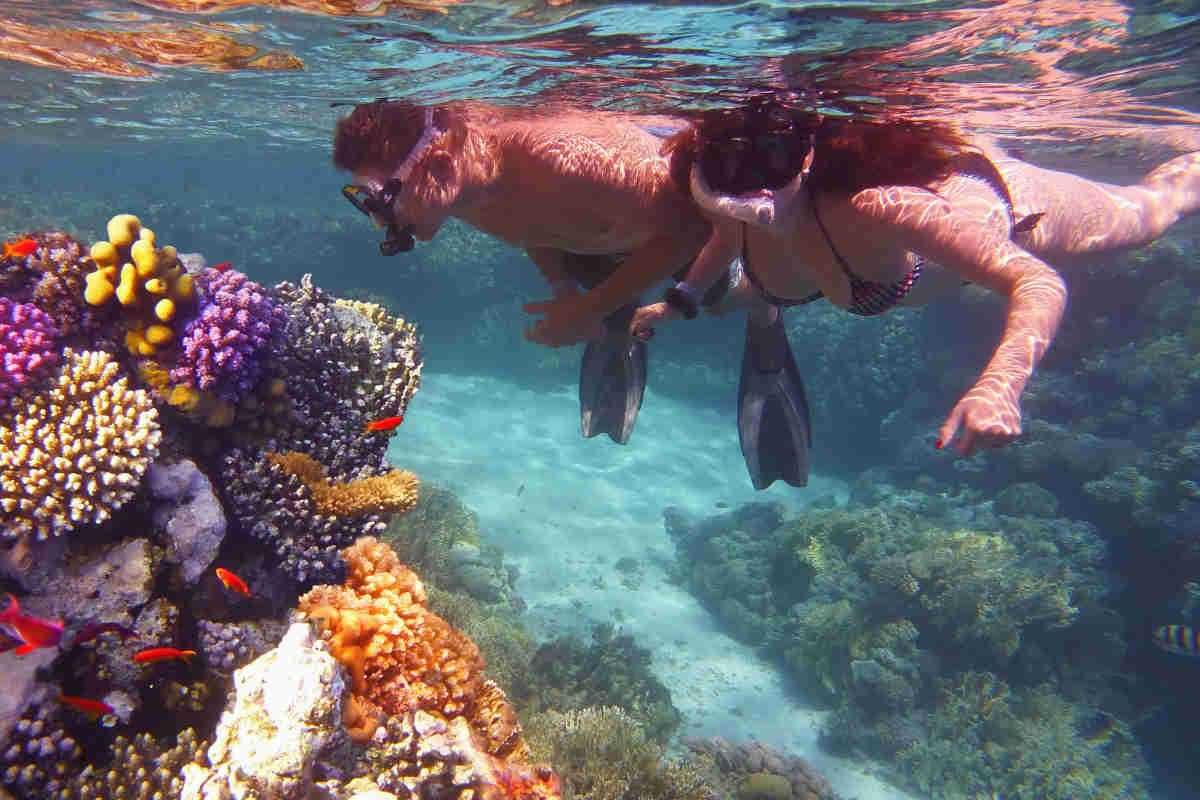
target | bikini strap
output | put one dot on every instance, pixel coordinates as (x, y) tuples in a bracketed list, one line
[(812, 201)]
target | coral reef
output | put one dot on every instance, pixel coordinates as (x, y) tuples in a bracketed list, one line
[(222, 348), (611, 671), (872, 608), (39, 757), (27, 349), (76, 452)]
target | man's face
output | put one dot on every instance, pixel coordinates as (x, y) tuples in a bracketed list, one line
[(407, 207)]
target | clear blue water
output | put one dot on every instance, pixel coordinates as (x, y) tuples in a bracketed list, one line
[(233, 161)]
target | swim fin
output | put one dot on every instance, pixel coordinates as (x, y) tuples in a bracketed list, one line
[(773, 419), (612, 380)]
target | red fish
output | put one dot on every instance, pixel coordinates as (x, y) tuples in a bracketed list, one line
[(233, 582), (223, 266), (20, 248), (153, 655), (93, 708), (385, 424), (34, 632), (94, 629)]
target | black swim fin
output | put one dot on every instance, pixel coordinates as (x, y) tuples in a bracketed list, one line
[(612, 380), (773, 419)]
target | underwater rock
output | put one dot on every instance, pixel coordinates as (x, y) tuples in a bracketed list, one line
[(286, 712), (190, 514), (100, 584), (761, 768)]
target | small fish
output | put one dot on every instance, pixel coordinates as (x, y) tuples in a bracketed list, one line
[(1178, 639), (93, 708), (721, 504), (152, 655), (520, 490), (95, 629), (223, 266), (385, 424), (233, 582), (33, 632), (20, 248)]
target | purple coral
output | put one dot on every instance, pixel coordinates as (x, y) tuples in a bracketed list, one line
[(27, 348), (222, 347)]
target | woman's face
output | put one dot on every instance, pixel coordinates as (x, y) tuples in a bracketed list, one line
[(745, 162)]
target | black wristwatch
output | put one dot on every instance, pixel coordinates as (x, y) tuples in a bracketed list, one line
[(682, 298)]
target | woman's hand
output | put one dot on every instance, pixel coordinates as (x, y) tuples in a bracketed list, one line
[(567, 320), (987, 416), (646, 317)]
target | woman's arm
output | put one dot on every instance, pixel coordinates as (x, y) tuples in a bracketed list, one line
[(981, 252)]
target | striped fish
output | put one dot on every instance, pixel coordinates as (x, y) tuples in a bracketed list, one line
[(1179, 639)]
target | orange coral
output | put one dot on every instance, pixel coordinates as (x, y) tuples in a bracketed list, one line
[(391, 493)]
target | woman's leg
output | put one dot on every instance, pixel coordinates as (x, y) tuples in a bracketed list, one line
[(1081, 216)]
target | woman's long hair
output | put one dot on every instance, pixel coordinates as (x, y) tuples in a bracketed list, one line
[(763, 143)]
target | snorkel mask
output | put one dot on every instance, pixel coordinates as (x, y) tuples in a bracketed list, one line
[(772, 198), (378, 203)]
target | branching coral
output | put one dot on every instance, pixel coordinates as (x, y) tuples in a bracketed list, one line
[(141, 769), (391, 493), (987, 740), (27, 349), (77, 451), (222, 348), (604, 755)]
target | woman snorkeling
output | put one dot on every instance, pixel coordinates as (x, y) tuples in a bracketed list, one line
[(856, 212)]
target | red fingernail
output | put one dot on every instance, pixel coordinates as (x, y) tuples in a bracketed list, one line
[(938, 444)]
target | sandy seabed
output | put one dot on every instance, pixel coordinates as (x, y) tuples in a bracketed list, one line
[(565, 509)]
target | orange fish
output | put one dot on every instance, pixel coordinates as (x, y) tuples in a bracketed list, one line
[(33, 632), (385, 424), (93, 708), (223, 266), (233, 582), (20, 248), (152, 655)]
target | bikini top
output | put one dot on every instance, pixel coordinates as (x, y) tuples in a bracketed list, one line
[(871, 298)]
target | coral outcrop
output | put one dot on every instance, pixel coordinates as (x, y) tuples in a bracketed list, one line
[(189, 515), (759, 772), (77, 451)]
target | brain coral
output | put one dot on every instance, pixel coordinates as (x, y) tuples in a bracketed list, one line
[(77, 451), (27, 337)]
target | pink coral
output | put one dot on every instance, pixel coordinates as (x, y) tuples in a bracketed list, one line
[(27, 348)]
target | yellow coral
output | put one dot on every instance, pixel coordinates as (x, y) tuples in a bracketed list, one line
[(151, 287), (77, 451), (390, 493)]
